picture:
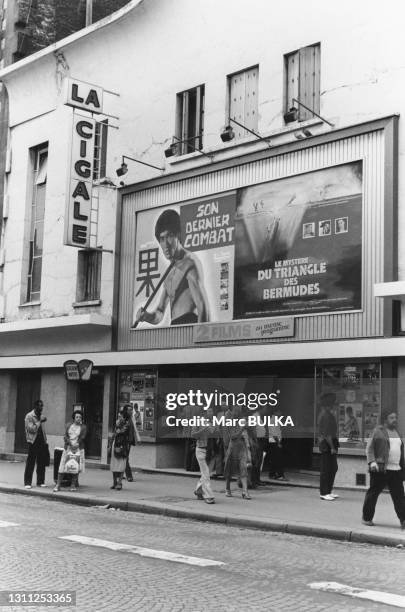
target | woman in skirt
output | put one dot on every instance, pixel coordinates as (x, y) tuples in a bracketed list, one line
[(72, 461), (120, 448)]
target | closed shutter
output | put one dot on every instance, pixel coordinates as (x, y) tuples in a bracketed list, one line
[(292, 67), (309, 81), (184, 122), (251, 95), (243, 100), (237, 102)]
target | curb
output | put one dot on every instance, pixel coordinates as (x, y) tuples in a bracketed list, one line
[(273, 525)]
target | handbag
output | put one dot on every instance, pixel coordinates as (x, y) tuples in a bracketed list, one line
[(119, 451), (47, 456), (72, 466)]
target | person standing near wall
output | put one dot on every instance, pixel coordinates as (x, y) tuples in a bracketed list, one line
[(385, 457), (119, 450), (37, 445), (276, 450), (202, 434), (133, 439), (328, 447), (74, 437)]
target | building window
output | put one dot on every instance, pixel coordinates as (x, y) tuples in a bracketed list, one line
[(36, 238), (302, 80), (88, 275), (100, 150), (190, 120), (243, 100), (354, 394)]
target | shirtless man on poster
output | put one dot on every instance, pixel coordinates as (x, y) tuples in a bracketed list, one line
[(182, 287)]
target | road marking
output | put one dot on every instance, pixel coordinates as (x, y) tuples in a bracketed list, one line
[(7, 524), (143, 552), (390, 599)]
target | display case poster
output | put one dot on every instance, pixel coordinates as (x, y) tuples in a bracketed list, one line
[(184, 263), (298, 244), (139, 390)]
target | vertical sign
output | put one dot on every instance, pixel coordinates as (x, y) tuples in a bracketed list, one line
[(79, 194)]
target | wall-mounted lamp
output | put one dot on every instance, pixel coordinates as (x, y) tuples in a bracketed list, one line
[(291, 115), (173, 149), (123, 169), (228, 134), (309, 110)]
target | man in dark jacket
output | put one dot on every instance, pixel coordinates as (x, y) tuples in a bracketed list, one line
[(37, 445), (385, 457)]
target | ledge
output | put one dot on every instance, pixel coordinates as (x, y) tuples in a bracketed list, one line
[(91, 319), (30, 304), (86, 304), (393, 289)]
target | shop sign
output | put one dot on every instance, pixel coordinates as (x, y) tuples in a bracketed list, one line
[(80, 188), (286, 247), (247, 330), (81, 370), (84, 95)]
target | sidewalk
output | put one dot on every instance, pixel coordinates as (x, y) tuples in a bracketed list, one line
[(276, 507)]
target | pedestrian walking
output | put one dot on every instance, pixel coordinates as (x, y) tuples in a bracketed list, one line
[(328, 447), (237, 453), (276, 450), (202, 435), (133, 439), (119, 450), (72, 460), (38, 451), (385, 458), (260, 449)]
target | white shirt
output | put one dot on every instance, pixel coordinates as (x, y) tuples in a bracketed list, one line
[(395, 454)]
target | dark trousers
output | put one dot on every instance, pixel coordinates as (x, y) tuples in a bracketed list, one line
[(36, 454), (378, 480), (276, 460), (256, 465), (128, 470), (329, 467)]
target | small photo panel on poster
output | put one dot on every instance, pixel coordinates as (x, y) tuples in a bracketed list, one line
[(341, 225), (324, 227), (308, 230)]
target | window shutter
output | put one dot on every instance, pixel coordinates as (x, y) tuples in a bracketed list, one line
[(309, 69), (196, 143), (184, 123), (243, 100), (237, 103), (292, 84), (251, 97)]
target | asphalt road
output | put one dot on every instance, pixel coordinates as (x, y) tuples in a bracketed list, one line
[(260, 571)]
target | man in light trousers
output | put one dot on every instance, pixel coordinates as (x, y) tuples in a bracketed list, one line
[(202, 434)]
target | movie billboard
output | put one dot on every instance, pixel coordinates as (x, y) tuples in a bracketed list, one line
[(184, 263), (298, 244)]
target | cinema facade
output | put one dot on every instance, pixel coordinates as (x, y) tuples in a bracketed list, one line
[(289, 244)]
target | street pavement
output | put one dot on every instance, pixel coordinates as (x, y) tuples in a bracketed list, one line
[(258, 572), (274, 507)]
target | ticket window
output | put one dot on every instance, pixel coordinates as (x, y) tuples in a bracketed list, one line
[(357, 406)]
